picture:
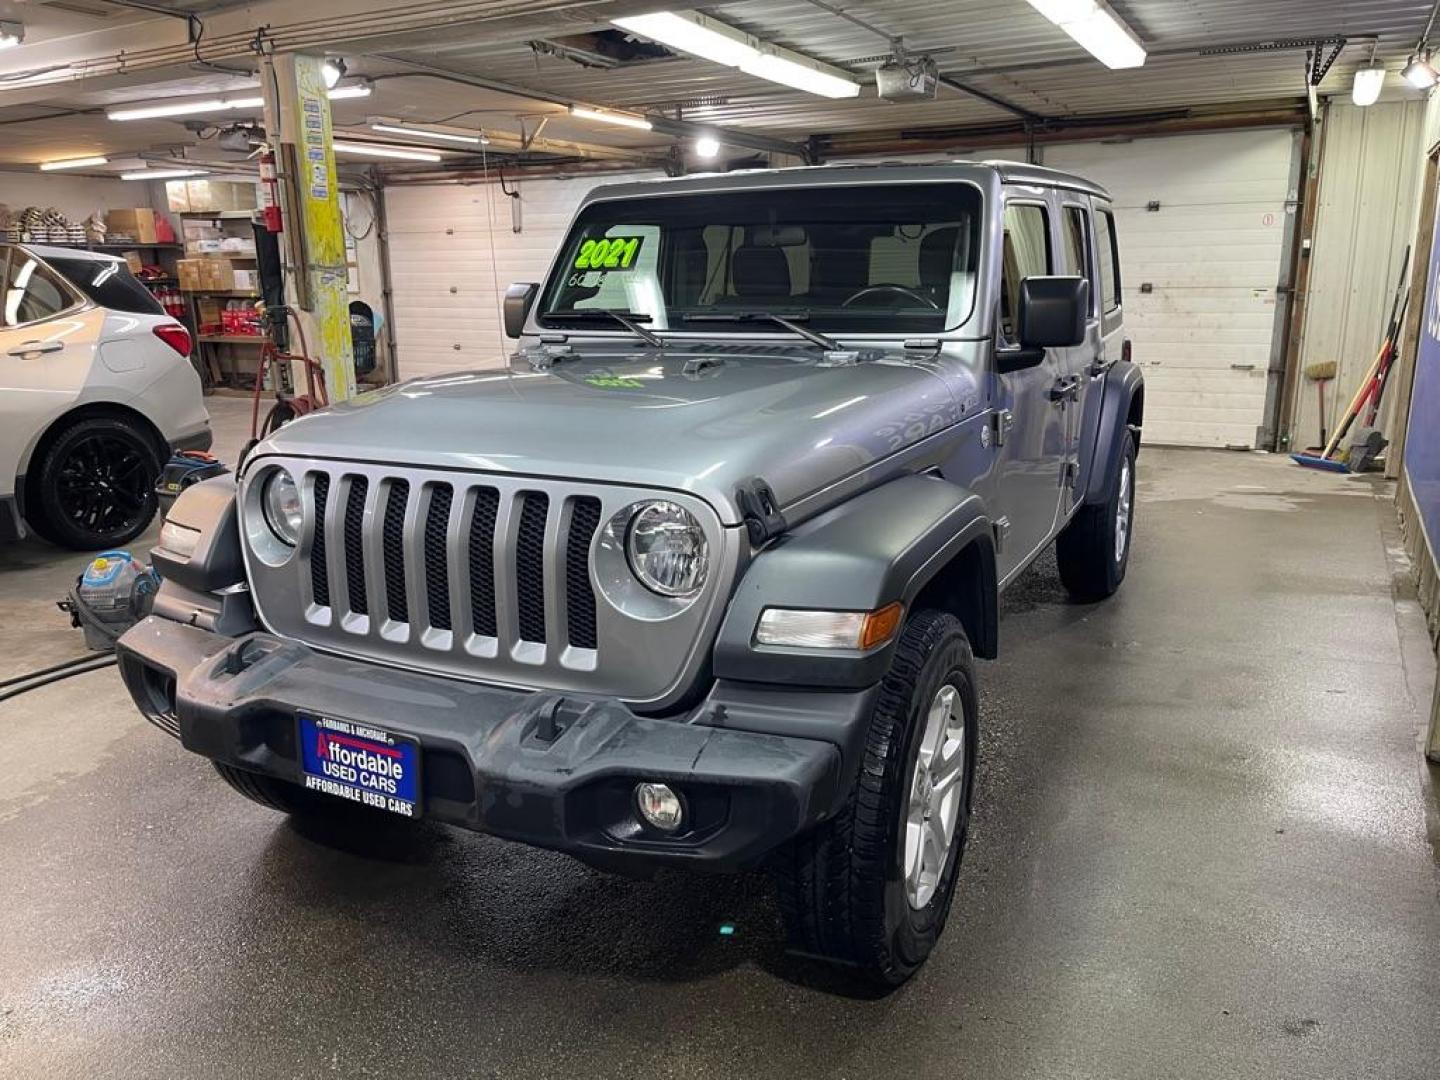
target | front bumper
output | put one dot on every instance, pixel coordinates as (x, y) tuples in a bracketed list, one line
[(551, 770)]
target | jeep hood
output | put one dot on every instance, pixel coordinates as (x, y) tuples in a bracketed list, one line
[(700, 419)]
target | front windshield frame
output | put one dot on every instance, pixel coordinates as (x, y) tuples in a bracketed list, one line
[(957, 314)]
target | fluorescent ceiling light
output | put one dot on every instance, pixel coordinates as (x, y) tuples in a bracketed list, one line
[(161, 174), (694, 34), (428, 133), (800, 75), (622, 119), (404, 153), (332, 71), (11, 33), (707, 147), (227, 104), (709, 39), (354, 90), (186, 108), (1418, 72), (73, 163), (1369, 81), (1097, 29)]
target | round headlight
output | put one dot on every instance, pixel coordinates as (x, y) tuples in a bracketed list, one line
[(667, 549), (281, 502)]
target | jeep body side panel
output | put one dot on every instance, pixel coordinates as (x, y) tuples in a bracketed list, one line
[(880, 547)]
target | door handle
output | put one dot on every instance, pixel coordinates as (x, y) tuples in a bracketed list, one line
[(1064, 390), (35, 348)]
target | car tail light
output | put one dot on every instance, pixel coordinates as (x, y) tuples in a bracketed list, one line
[(176, 336), (1126, 351)]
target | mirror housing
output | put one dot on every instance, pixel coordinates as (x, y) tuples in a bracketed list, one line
[(1052, 315), (518, 299)]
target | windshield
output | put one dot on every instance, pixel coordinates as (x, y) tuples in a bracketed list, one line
[(895, 258)]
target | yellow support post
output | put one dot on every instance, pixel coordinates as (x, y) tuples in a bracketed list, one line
[(317, 245)]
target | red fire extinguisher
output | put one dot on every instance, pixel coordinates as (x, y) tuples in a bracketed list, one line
[(270, 185)]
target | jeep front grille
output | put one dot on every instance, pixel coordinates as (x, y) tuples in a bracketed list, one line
[(479, 576)]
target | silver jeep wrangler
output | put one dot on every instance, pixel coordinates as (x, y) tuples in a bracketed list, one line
[(699, 577)]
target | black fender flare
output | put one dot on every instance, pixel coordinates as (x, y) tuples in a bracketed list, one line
[(1122, 382), (882, 546)]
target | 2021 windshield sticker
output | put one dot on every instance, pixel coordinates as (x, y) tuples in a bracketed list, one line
[(609, 253)]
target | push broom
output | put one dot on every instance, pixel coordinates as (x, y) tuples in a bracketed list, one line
[(1369, 385)]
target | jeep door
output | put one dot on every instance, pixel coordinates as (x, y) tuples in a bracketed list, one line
[(1084, 378), (1105, 339), (1032, 450)]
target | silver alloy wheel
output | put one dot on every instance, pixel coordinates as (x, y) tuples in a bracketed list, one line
[(1122, 512), (936, 791)]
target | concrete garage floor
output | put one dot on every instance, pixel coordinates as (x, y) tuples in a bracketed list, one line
[(1200, 851)]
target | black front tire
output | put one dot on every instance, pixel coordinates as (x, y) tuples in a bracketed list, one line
[(1093, 551), (93, 486), (274, 794), (842, 887)]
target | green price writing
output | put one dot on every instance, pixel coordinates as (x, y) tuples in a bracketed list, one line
[(615, 253)]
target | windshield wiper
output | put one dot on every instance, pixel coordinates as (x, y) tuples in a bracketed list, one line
[(627, 319), (789, 322)]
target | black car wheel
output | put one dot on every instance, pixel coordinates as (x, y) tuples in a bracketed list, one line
[(871, 888), (94, 486), (1093, 551)]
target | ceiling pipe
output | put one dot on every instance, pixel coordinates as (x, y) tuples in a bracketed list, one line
[(661, 124)]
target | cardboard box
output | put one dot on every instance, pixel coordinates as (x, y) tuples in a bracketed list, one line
[(191, 273), (210, 315), (195, 249), (133, 261), (138, 224), (177, 196), (202, 229), (246, 280), (219, 274)]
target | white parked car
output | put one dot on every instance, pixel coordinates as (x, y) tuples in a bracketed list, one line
[(96, 390)]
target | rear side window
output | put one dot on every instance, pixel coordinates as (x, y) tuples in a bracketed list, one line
[(1026, 254), (32, 292), (109, 283), (1109, 260)]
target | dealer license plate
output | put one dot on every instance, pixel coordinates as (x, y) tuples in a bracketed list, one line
[(360, 763)]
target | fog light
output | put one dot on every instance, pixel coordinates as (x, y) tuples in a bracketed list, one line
[(659, 806)]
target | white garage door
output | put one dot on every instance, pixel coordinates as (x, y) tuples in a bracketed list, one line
[(1211, 256), (448, 280)]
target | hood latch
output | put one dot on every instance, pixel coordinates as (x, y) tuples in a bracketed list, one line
[(759, 510), (542, 357)]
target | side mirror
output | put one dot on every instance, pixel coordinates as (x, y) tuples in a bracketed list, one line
[(1052, 314), (518, 299)]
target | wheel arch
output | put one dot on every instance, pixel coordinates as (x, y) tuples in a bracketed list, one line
[(914, 537), (966, 587), (1122, 411), (85, 411)]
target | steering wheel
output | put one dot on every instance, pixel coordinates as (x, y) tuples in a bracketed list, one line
[(872, 290)]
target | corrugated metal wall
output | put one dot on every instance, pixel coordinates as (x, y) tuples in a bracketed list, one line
[(1366, 215)]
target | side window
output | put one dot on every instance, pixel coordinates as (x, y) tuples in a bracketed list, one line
[(32, 292), (1077, 243), (1109, 260), (1026, 254), (109, 283)]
